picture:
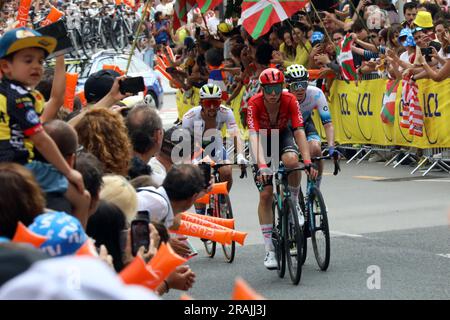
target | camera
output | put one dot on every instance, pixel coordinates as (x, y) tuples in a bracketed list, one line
[(426, 52), (140, 232)]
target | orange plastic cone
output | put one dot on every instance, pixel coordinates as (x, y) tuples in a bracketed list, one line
[(114, 68), (24, 235), (242, 291), (164, 262), (236, 236), (138, 273), (195, 230), (22, 16), (229, 223), (71, 84), (87, 249), (53, 16)]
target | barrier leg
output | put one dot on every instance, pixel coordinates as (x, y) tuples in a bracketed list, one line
[(403, 159), (420, 165), (430, 168), (365, 156), (445, 165), (440, 164), (356, 155), (392, 160)]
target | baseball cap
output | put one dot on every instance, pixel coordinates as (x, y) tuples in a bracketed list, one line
[(22, 38), (65, 233), (99, 84)]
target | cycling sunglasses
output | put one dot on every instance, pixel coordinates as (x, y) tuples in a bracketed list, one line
[(213, 103), (277, 88), (295, 86)]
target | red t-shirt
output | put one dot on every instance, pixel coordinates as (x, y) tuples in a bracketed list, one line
[(258, 117)]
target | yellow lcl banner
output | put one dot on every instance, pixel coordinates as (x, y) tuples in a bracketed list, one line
[(356, 110)]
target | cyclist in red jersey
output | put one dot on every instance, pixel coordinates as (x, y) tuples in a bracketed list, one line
[(272, 112)]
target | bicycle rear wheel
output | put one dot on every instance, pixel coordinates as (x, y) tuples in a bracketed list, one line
[(293, 241), (226, 212), (320, 235), (278, 240), (210, 246)]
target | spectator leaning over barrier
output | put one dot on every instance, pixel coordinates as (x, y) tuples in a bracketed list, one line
[(182, 186), (146, 134), (22, 54)]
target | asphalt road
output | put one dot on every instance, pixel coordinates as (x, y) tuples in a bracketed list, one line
[(390, 239)]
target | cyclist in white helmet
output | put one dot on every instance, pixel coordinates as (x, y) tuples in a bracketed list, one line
[(209, 119), (311, 98)]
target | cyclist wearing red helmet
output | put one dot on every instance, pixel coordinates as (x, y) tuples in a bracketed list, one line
[(270, 112)]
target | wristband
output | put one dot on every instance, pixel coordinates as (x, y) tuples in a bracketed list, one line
[(263, 166), (307, 162)]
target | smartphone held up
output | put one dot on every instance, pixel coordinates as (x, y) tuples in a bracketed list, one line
[(140, 232), (132, 85)]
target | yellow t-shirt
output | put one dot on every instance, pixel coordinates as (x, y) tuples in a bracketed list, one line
[(301, 54)]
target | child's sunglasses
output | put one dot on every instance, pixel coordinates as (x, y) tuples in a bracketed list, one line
[(277, 88)]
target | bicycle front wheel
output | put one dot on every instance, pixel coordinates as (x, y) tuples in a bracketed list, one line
[(293, 241), (320, 234), (226, 212), (210, 246)]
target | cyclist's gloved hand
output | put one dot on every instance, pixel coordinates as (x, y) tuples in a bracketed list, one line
[(265, 174), (311, 169)]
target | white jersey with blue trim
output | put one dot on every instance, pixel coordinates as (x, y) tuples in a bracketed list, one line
[(193, 118), (315, 99)]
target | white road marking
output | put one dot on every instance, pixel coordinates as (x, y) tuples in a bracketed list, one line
[(445, 255), (343, 234)]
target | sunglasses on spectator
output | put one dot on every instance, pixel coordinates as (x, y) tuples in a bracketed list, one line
[(299, 85), (212, 104), (277, 88)]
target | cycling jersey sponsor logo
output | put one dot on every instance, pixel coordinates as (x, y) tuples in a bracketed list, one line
[(32, 117)]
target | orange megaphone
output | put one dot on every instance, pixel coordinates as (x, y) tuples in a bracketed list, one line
[(23, 234), (71, 84), (87, 249), (53, 16), (229, 223), (242, 291), (164, 262), (138, 273), (114, 68), (315, 74), (195, 230), (185, 296), (23, 12), (219, 188), (237, 236), (203, 200)]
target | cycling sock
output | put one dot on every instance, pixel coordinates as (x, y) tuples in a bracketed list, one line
[(318, 181), (267, 234), (200, 210)]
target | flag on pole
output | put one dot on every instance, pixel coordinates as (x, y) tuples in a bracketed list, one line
[(206, 5), (258, 16), (345, 59), (181, 8)]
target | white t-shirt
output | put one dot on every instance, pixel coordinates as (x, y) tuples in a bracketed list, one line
[(212, 24), (159, 172), (166, 9), (404, 57), (157, 203)]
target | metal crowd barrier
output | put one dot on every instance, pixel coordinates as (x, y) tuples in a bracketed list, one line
[(436, 157)]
